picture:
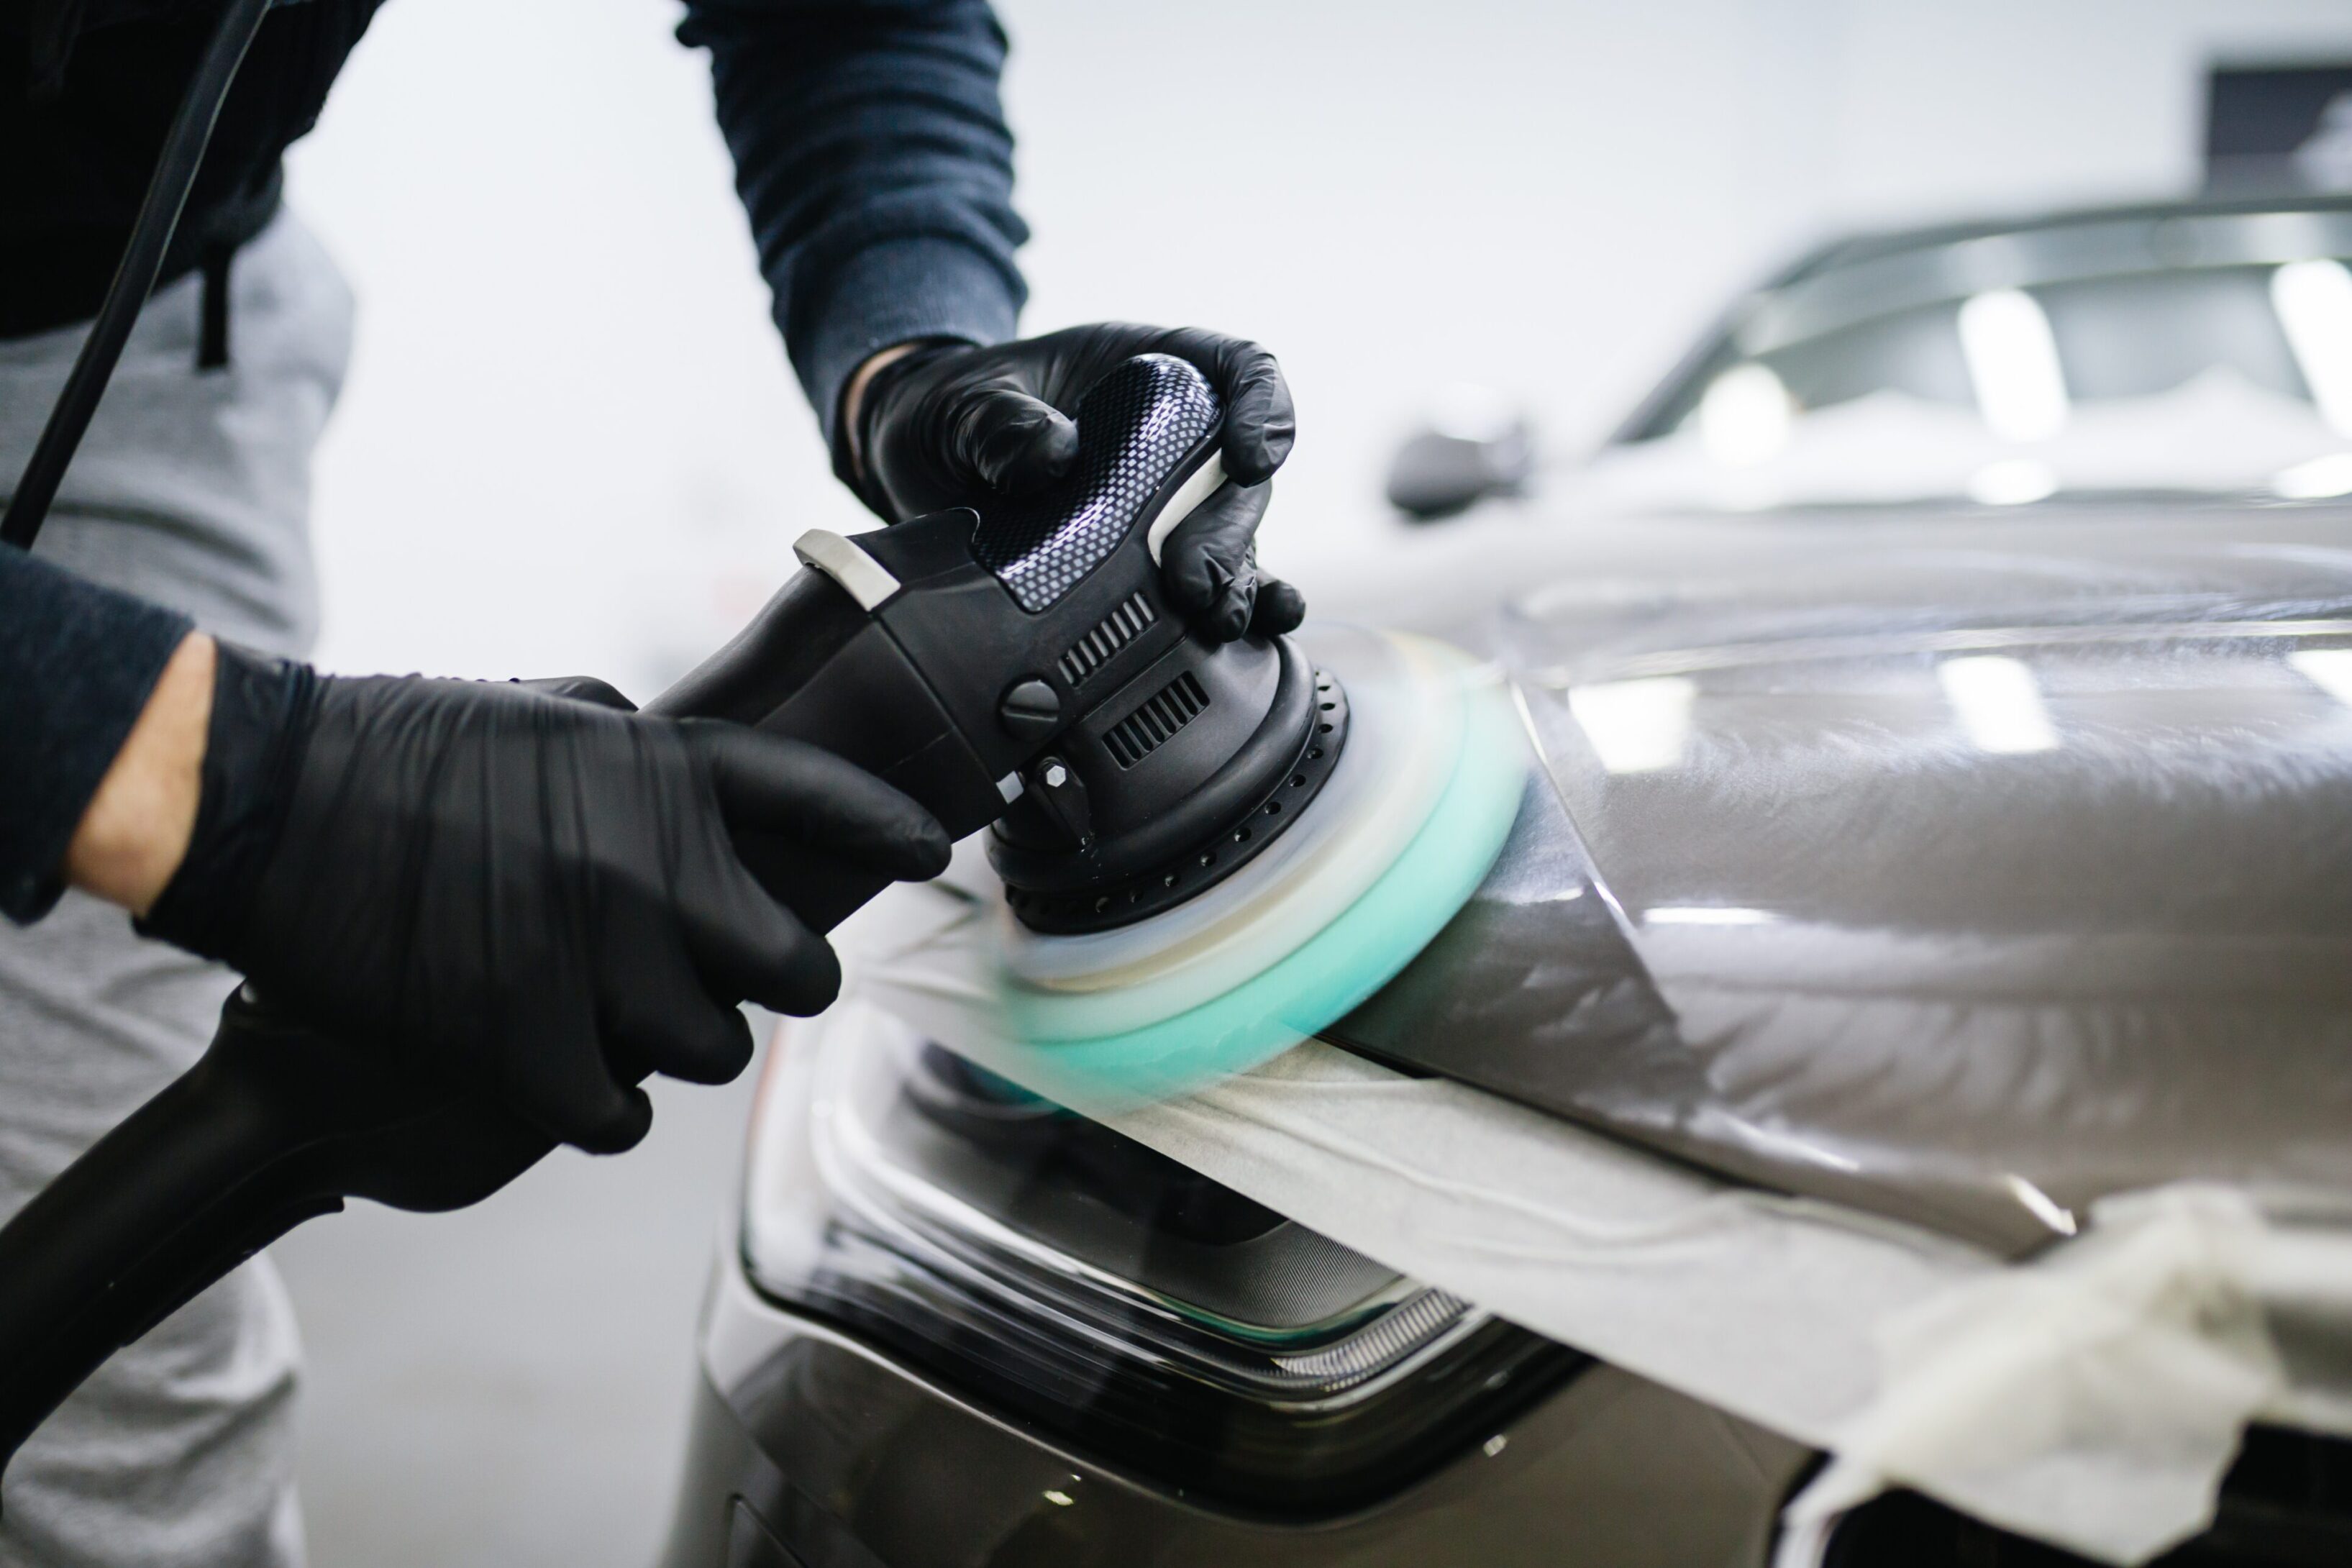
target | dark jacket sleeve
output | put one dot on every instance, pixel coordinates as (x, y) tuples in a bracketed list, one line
[(76, 662), (872, 156)]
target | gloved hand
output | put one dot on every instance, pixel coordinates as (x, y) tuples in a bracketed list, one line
[(539, 894), (954, 424)]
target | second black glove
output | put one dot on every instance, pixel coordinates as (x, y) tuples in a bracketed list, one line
[(954, 424)]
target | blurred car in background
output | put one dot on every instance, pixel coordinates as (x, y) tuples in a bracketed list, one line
[(1942, 688), (2185, 350)]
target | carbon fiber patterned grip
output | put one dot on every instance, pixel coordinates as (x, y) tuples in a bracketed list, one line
[(1135, 426)]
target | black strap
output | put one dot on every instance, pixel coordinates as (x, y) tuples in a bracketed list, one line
[(212, 339), (134, 280)]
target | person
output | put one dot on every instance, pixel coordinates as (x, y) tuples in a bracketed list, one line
[(531, 888)]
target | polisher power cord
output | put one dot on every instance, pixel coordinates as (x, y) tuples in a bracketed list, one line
[(134, 279)]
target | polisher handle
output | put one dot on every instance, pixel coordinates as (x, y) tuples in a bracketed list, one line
[(816, 666)]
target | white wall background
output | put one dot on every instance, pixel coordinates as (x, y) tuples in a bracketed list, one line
[(571, 442)]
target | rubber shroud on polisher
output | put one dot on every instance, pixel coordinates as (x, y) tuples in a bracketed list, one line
[(1182, 775)]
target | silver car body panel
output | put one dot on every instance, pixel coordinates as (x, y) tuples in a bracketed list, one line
[(1961, 869)]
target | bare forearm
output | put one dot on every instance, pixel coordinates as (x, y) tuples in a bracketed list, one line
[(853, 398), (136, 828)]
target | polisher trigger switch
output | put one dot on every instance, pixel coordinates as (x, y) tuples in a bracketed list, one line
[(1030, 710)]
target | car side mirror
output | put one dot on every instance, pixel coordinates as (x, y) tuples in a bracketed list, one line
[(1476, 444)]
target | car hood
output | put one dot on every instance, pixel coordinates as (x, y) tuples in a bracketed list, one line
[(1966, 869)]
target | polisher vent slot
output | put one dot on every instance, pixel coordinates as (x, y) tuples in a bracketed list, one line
[(1118, 628), (1149, 727)]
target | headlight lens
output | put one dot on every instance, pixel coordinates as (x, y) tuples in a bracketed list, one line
[(1066, 1274)]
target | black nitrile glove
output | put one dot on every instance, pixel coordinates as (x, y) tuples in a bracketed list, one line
[(954, 424), (536, 892)]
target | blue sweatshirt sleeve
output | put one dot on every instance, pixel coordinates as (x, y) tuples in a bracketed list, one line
[(872, 156), (76, 662)]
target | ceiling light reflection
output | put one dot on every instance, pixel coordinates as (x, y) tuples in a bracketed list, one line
[(2042, 1206), (1706, 915), (1636, 726), (1999, 704), (2328, 668), (1785, 1144), (2313, 300), (1744, 415), (2316, 479), (2014, 362), (2012, 481)]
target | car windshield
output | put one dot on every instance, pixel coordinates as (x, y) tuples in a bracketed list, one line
[(2180, 350)]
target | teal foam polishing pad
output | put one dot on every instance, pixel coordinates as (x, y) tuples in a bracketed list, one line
[(1177, 1003)]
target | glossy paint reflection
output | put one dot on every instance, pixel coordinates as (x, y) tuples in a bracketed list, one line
[(1986, 873)]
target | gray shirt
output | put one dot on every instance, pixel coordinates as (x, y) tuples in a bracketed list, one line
[(192, 491)]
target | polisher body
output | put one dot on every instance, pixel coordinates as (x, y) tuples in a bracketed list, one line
[(1027, 670)]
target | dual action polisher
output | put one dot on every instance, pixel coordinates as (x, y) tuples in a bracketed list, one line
[(1208, 850)]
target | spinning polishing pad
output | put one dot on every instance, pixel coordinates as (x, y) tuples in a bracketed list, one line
[(1414, 813)]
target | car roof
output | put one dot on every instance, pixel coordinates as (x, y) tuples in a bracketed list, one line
[(1871, 245), (1867, 245)]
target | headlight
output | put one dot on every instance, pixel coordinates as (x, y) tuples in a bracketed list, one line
[(1063, 1274)]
